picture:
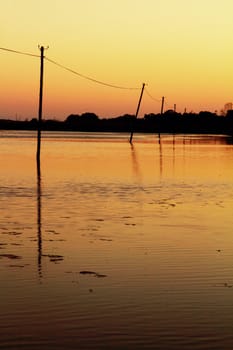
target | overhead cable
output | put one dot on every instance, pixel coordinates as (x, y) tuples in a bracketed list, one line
[(89, 78), (19, 52), (71, 70), (153, 98), (168, 105)]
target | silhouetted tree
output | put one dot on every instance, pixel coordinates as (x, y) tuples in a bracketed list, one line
[(169, 122)]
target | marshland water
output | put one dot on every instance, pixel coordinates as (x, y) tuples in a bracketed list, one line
[(116, 246)]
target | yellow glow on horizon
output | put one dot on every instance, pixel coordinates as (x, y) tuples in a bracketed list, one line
[(182, 49)]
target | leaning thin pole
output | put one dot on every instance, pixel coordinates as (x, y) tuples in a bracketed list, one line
[(40, 103), (162, 105), (136, 115)]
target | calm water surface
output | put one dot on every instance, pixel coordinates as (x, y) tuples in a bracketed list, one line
[(116, 246)]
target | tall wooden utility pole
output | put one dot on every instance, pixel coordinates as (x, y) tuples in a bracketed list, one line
[(162, 104), (40, 104), (136, 115)]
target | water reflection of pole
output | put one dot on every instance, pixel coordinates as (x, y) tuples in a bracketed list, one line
[(138, 175), (160, 156), (135, 164), (174, 149), (39, 232)]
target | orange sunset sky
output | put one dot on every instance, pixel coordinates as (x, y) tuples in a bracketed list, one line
[(181, 48)]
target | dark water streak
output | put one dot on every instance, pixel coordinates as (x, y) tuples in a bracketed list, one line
[(39, 225)]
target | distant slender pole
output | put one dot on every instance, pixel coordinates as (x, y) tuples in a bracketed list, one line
[(174, 107), (136, 115), (162, 104), (40, 103)]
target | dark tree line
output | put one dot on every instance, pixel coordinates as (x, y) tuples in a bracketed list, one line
[(169, 122)]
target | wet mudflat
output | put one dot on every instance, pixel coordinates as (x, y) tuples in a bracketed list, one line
[(116, 246)]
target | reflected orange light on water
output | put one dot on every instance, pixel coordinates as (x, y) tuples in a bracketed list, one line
[(148, 224)]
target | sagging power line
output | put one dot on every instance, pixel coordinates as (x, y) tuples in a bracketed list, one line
[(83, 75), (42, 57), (71, 70), (149, 94), (162, 101), (19, 52), (89, 78)]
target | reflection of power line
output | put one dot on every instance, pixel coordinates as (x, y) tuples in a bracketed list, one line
[(39, 230)]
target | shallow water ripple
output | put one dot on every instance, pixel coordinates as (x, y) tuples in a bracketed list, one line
[(116, 247)]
